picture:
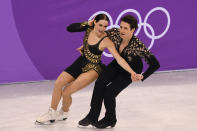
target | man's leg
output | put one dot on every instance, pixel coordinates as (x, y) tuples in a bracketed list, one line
[(97, 97), (111, 91)]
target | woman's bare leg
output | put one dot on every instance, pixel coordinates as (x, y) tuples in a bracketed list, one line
[(82, 81), (63, 79)]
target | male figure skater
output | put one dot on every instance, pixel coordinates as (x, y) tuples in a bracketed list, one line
[(114, 78)]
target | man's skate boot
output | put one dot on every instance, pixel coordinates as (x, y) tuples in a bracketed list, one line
[(86, 122)]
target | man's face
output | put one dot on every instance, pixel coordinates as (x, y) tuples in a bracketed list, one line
[(125, 30)]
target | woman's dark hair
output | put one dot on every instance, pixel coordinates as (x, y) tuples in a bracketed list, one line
[(101, 17), (131, 20)]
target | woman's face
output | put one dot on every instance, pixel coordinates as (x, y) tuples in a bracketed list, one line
[(100, 26)]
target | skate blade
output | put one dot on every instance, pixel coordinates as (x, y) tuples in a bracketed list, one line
[(108, 127), (62, 119), (45, 123), (86, 127)]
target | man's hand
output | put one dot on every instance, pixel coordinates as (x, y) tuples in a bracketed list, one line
[(80, 49), (139, 77), (136, 77)]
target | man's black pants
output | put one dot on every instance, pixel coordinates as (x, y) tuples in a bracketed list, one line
[(109, 84)]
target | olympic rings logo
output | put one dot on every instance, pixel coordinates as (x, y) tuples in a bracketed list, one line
[(152, 36)]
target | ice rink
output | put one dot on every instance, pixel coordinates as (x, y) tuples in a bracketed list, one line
[(164, 102)]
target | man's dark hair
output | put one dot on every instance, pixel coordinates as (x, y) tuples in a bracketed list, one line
[(131, 20)]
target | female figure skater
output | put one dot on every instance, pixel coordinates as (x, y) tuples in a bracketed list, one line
[(85, 69)]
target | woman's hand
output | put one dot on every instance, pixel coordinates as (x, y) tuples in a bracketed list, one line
[(133, 77), (80, 50), (91, 22), (136, 77)]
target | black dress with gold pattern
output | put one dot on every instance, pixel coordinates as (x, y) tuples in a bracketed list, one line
[(91, 58)]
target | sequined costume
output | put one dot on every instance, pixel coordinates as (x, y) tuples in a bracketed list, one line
[(91, 58)]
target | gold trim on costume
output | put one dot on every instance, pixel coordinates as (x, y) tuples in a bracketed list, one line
[(94, 60), (90, 66), (84, 24)]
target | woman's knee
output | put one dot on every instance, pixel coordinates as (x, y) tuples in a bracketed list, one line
[(67, 93), (59, 84)]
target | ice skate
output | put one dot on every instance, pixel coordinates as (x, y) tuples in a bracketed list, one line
[(48, 117), (61, 115)]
